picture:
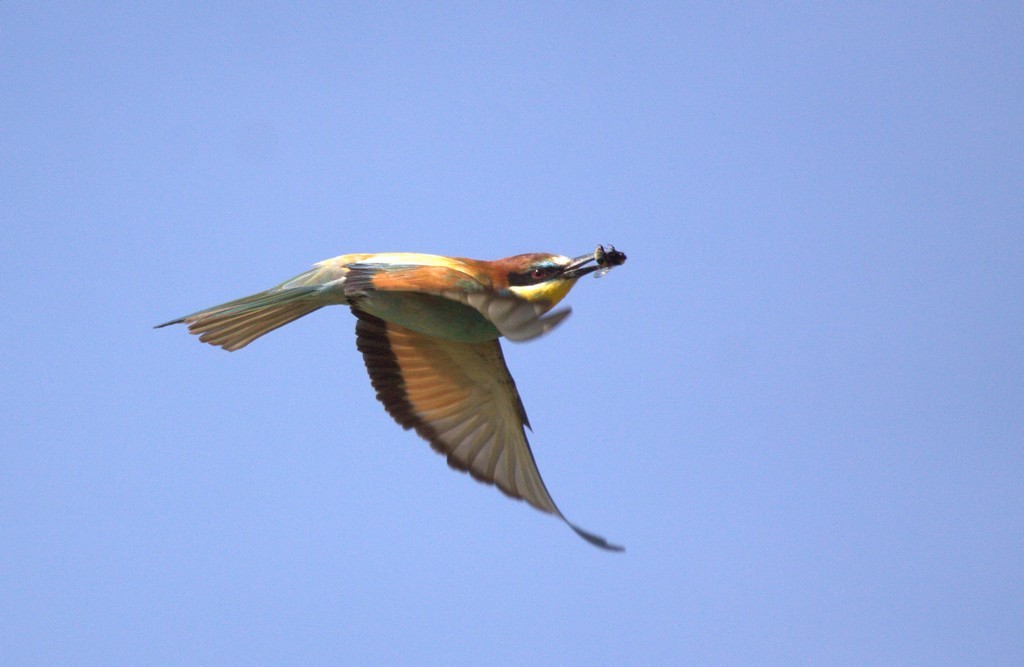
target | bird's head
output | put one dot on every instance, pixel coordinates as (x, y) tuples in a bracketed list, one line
[(542, 278)]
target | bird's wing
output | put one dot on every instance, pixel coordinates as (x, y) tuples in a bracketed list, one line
[(516, 318), (460, 398)]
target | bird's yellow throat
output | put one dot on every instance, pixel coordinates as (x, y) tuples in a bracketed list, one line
[(550, 292)]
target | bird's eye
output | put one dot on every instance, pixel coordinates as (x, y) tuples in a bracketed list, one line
[(532, 276)]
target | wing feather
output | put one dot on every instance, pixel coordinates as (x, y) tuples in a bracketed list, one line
[(460, 398)]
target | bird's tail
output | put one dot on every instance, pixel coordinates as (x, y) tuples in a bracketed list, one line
[(235, 324)]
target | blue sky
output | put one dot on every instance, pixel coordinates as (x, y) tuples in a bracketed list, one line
[(799, 405)]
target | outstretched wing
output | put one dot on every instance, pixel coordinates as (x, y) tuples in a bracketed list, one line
[(460, 398)]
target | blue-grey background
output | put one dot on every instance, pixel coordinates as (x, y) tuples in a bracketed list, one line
[(800, 404)]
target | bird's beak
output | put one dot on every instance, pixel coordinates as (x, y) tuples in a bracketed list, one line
[(603, 259)]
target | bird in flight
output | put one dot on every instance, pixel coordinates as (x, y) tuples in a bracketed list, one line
[(428, 329)]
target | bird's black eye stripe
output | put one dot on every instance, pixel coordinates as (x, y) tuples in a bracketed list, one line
[(520, 279), (532, 277)]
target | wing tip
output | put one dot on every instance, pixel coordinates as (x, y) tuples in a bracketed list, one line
[(537, 327), (180, 320), (596, 540)]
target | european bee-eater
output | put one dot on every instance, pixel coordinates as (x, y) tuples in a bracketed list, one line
[(428, 329)]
